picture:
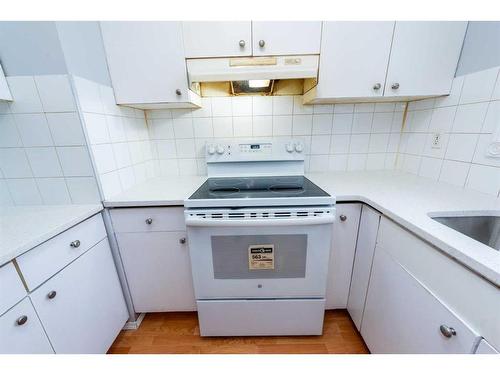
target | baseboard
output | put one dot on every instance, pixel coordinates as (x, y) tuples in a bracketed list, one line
[(135, 324)]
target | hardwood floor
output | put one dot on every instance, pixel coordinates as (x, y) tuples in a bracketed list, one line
[(178, 333)]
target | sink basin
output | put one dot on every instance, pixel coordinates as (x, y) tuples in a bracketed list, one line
[(485, 229)]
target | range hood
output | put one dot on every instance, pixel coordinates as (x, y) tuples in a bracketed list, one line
[(242, 69)]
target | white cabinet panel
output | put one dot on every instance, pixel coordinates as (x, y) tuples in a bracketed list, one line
[(345, 231), (424, 57), (4, 87), (11, 287), (485, 348), (146, 61), (217, 39), (401, 316), (43, 261), (354, 58), (158, 271), (286, 38), (148, 219), (21, 331), (365, 247), (88, 310)]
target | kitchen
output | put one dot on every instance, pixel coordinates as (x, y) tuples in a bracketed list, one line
[(300, 187)]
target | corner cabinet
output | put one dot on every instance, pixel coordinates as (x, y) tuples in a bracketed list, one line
[(147, 64), (386, 61)]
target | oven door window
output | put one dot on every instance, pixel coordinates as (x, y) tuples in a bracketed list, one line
[(278, 256)]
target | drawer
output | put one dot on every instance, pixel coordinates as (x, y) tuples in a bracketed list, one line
[(162, 219), (261, 317), (11, 287), (26, 338), (45, 260)]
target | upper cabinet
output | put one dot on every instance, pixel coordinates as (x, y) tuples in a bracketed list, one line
[(376, 61), (286, 38), (424, 58), (4, 88), (213, 39), (147, 64), (226, 39)]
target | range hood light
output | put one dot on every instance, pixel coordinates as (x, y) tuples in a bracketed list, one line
[(257, 83)]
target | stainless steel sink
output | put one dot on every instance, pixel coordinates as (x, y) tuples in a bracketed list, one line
[(485, 229)]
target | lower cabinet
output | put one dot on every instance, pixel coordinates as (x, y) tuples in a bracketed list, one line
[(345, 232), (402, 316), (158, 270), (22, 332), (82, 307)]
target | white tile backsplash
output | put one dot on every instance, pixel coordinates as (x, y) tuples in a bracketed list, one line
[(55, 93)]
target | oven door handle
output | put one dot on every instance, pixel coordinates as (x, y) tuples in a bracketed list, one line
[(196, 222)]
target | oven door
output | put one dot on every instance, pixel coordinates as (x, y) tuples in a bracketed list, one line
[(260, 258)]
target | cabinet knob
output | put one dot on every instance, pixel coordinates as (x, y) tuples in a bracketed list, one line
[(343, 218), (75, 244), (242, 43), (377, 86), (262, 43), (395, 86), (21, 320), (52, 294), (149, 221), (447, 331), (178, 92), (182, 240)]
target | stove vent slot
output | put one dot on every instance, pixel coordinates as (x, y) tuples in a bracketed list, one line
[(282, 214), (238, 215), (216, 216)]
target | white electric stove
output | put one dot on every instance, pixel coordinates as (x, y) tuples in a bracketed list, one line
[(259, 238)]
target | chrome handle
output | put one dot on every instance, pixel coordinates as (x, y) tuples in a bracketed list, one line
[(178, 92), (75, 244), (447, 331), (149, 221), (262, 43), (377, 86), (52, 294), (395, 86), (182, 240), (242, 43), (343, 218), (21, 320)]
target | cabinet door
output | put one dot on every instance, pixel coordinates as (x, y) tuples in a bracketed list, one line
[(158, 271), (286, 38), (354, 58), (424, 57), (345, 232), (217, 39), (21, 331), (485, 348), (365, 247), (401, 316), (146, 61), (4, 88), (88, 310)]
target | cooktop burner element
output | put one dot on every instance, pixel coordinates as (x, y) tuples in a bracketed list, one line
[(257, 187)]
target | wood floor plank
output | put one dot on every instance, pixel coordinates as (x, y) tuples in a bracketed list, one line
[(178, 333)]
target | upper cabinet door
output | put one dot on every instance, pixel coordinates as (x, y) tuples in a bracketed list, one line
[(146, 61), (217, 39), (354, 59), (286, 38), (424, 58)]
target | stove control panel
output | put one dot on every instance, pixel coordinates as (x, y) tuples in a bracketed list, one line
[(254, 148)]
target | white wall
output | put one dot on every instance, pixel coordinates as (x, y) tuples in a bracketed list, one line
[(466, 120), (43, 154), (336, 137)]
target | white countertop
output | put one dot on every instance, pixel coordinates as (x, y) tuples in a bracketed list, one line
[(405, 198), (24, 227)]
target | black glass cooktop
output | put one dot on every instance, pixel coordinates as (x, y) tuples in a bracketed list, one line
[(258, 187)]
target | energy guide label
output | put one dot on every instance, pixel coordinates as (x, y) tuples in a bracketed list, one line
[(261, 257)]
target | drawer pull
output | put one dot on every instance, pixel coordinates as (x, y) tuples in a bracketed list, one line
[(447, 331), (75, 244), (149, 221), (343, 218), (182, 240), (52, 294), (21, 320)]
